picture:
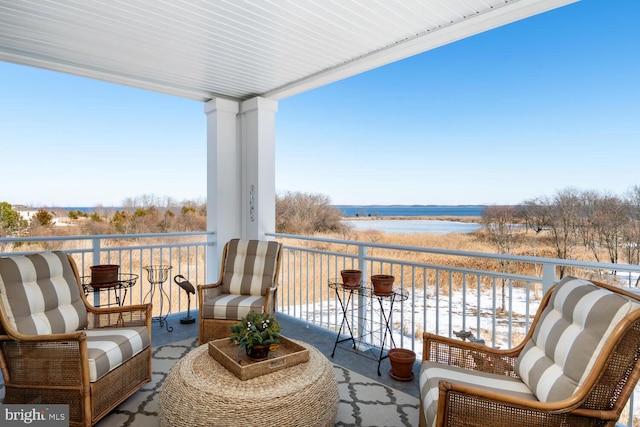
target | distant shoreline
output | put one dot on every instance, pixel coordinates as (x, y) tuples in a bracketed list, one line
[(439, 212), (471, 219)]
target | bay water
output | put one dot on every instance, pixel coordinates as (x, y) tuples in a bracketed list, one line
[(362, 211), (376, 217)]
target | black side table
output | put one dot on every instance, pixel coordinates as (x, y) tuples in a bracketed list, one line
[(345, 295), (119, 287)]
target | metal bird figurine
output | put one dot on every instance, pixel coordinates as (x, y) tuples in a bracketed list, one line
[(189, 289)]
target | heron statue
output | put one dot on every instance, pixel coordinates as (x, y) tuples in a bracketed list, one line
[(189, 289)]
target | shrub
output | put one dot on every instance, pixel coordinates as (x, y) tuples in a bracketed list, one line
[(304, 213)]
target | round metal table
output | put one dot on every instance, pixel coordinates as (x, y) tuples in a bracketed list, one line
[(119, 287)]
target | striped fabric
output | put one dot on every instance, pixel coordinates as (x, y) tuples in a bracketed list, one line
[(432, 372), (40, 295), (568, 337), (250, 267), (228, 306), (108, 348)]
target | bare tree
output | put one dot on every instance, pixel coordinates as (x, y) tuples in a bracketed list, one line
[(631, 239), (500, 226), (603, 221), (536, 216), (590, 221), (564, 223), (304, 213), (614, 217)]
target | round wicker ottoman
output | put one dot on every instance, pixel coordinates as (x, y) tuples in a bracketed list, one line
[(199, 391)]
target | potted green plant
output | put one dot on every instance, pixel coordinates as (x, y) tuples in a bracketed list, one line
[(256, 333)]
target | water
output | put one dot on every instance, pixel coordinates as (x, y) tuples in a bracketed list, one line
[(409, 226), (397, 226), (364, 211)]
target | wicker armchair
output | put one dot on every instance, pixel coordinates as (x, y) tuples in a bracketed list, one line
[(55, 348), (577, 366), (247, 283)]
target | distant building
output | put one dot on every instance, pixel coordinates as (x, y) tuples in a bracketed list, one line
[(28, 212), (24, 211)]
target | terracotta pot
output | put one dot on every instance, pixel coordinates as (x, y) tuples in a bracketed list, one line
[(351, 278), (382, 284), (104, 274), (401, 364), (259, 352)]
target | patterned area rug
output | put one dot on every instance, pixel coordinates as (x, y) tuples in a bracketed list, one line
[(363, 401)]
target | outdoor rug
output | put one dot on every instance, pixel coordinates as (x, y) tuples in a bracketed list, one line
[(363, 401)]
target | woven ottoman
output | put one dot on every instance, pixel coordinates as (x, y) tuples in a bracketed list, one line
[(199, 391)]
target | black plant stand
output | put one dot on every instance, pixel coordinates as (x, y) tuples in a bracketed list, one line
[(345, 296), (157, 275)]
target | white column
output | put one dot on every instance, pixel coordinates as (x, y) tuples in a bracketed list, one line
[(258, 167), (224, 178)]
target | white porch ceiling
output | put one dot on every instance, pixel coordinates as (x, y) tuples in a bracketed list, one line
[(239, 49)]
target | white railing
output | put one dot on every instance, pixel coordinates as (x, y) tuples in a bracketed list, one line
[(443, 297), (185, 252), (464, 299)]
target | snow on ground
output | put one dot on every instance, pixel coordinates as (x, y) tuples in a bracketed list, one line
[(414, 313)]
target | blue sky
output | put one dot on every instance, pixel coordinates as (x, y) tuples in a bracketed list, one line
[(518, 112)]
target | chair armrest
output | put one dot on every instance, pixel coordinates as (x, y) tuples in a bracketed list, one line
[(469, 355), (120, 317), (18, 337), (270, 299), (206, 290), (210, 285)]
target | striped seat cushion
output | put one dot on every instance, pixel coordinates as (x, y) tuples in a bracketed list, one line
[(40, 295), (229, 306), (250, 267), (108, 348), (432, 372), (567, 339)]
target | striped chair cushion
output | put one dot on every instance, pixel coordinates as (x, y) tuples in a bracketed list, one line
[(250, 267), (108, 348), (40, 294), (568, 337), (229, 306), (432, 372)]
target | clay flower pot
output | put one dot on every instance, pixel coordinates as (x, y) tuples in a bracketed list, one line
[(351, 278), (401, 364), (382, 284), (104, 274)]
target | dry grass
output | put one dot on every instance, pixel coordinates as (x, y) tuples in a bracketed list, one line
[(306, 277), (304, 271)]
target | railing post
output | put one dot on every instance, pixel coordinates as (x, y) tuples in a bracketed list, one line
[(548, 276), (362, 266), (96, 261)]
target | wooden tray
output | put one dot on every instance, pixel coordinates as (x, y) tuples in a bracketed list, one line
[(235, 360)]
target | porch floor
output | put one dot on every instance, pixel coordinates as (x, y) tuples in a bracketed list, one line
[(321, 339)]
